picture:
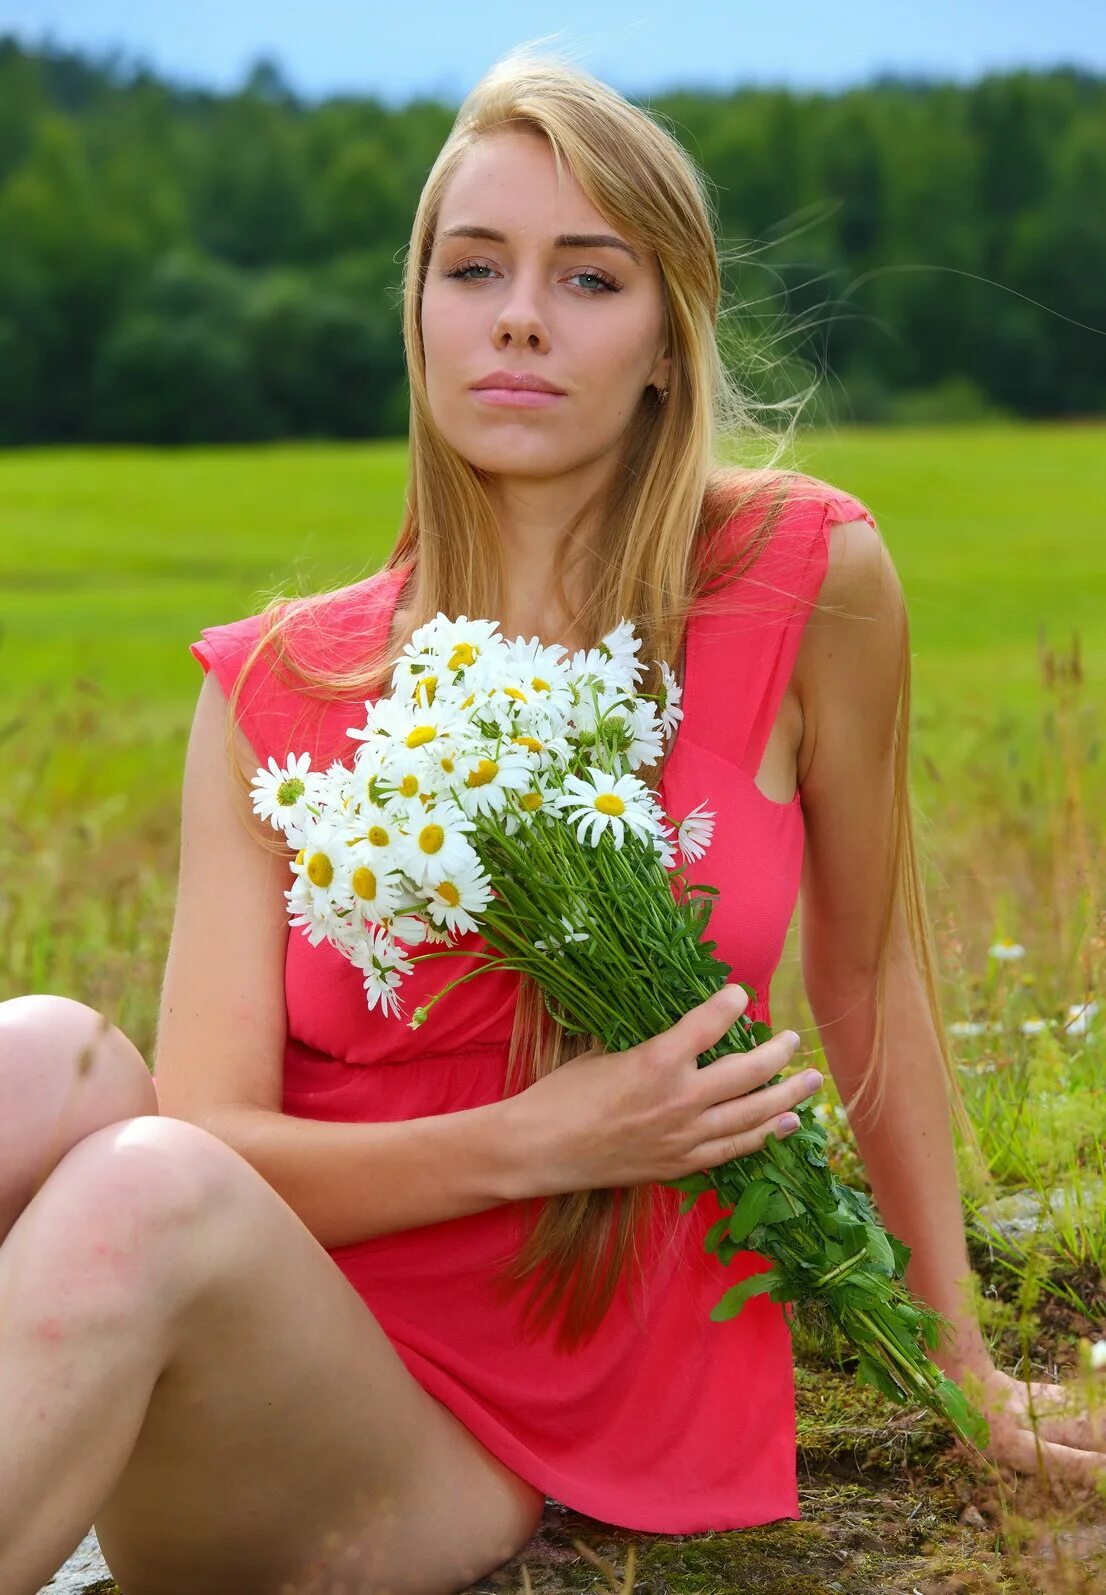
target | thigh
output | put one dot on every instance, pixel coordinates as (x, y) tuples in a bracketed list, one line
[(286, 1447)]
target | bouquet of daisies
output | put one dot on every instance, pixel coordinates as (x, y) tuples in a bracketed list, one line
[(493, 791)]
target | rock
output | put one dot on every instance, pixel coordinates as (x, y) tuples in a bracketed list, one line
[(1022, 1216), (85, 1570)]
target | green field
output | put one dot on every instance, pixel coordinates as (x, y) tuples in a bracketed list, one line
[(111, 560)]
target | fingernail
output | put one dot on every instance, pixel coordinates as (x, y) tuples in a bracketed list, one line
[(792, 1039), (788, 1122), (812, 1080)]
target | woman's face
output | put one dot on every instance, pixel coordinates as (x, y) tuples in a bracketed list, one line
[(588, 317)]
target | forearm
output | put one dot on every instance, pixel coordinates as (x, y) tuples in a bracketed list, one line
[(907, 1145), (349, 1182)]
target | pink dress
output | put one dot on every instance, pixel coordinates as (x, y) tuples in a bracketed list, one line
[(684, 1425)]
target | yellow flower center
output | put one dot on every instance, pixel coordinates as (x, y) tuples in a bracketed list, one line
[(300, 855), (513, 692), (289, 792), (431, 838), (609, 803), (409, 785), (469, 701), (463, 654), (447, 890), (364, 882), (531, 801), (425, 688), (529, 742), (485, 771), (539, 685), (447, 764), (420, 734), (378, 836), (320, 871)]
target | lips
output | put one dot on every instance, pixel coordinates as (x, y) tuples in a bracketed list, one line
[(517, 382)]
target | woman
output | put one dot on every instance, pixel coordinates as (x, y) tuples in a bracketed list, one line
[(183, 1362)]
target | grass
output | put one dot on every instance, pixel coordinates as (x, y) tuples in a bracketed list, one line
[(110, 563)]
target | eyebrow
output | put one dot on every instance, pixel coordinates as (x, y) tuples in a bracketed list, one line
[(562, 241)]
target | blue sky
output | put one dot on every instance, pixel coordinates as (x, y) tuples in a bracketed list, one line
[(441, 47)]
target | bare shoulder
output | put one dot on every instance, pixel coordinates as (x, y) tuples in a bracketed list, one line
[(849, 668)]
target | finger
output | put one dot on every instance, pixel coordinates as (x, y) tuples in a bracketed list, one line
[(747, 1110), (711, 1154), (746, 1073), (1021, 1451), (704, 1025), (1058, 1412)]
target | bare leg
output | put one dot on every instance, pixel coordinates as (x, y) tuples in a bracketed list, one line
[(185, 1366), (91, 1289)]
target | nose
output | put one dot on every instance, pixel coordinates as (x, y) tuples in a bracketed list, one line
[(519, 319)]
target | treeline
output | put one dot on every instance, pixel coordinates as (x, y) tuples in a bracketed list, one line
[(179, 265)]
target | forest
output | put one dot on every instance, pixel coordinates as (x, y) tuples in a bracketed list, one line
[(181, 265)]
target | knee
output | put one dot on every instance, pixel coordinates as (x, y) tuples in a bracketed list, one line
[(131, 1212), (65, 1071)]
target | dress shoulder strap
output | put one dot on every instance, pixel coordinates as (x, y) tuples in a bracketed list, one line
[(277, 715), (747, 650)]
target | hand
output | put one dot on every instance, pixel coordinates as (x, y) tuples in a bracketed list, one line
[(617, 1119), (1070, 1434)]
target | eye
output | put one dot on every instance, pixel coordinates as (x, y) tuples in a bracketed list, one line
[(607, 284)]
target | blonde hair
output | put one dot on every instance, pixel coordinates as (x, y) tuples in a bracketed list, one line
[(657, 519)]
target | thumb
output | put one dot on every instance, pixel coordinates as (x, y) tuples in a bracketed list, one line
[(705, 1024)]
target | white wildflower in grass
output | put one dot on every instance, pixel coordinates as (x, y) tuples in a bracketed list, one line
[(1098, 1355), (281, 793), (967, 1027), (1079, 1018), (493, 793), (694, 833), (1005, 948), (1034, 1025)]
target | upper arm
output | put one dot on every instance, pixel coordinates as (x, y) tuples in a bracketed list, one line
[(222, 1021), (850, 674)]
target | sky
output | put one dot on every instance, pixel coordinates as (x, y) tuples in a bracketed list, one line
[(440, 48)]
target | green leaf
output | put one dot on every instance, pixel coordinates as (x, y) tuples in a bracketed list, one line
[(734, 1300), (760, 1031), (869, 1372), (746, 1215), (879, 1250), (715, 1233)]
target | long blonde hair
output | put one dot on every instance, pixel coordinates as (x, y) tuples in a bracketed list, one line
[(652, 560)]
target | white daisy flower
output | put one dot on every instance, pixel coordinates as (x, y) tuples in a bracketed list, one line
[(671, 693), (484, 780), (454, 900), (695, 831), (281, 793), (558, 943), (619, 647), (601, 802), (1005, 948), (664, 844), (646, 743), (1033, 1026), (323, 861), (1098, 1355), (375, 892), (433, 842), (317, 925), (453, 645), (383, 965), (967, 1027), (417, 726)]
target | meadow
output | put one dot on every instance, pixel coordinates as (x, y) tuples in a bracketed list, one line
[(111, 561)]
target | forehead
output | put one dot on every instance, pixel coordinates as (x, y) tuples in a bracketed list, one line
[(509, 180)]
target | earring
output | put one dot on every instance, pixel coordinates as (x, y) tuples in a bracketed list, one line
[(662, 395)]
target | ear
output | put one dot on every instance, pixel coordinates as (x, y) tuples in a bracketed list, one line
[(658, 377)]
